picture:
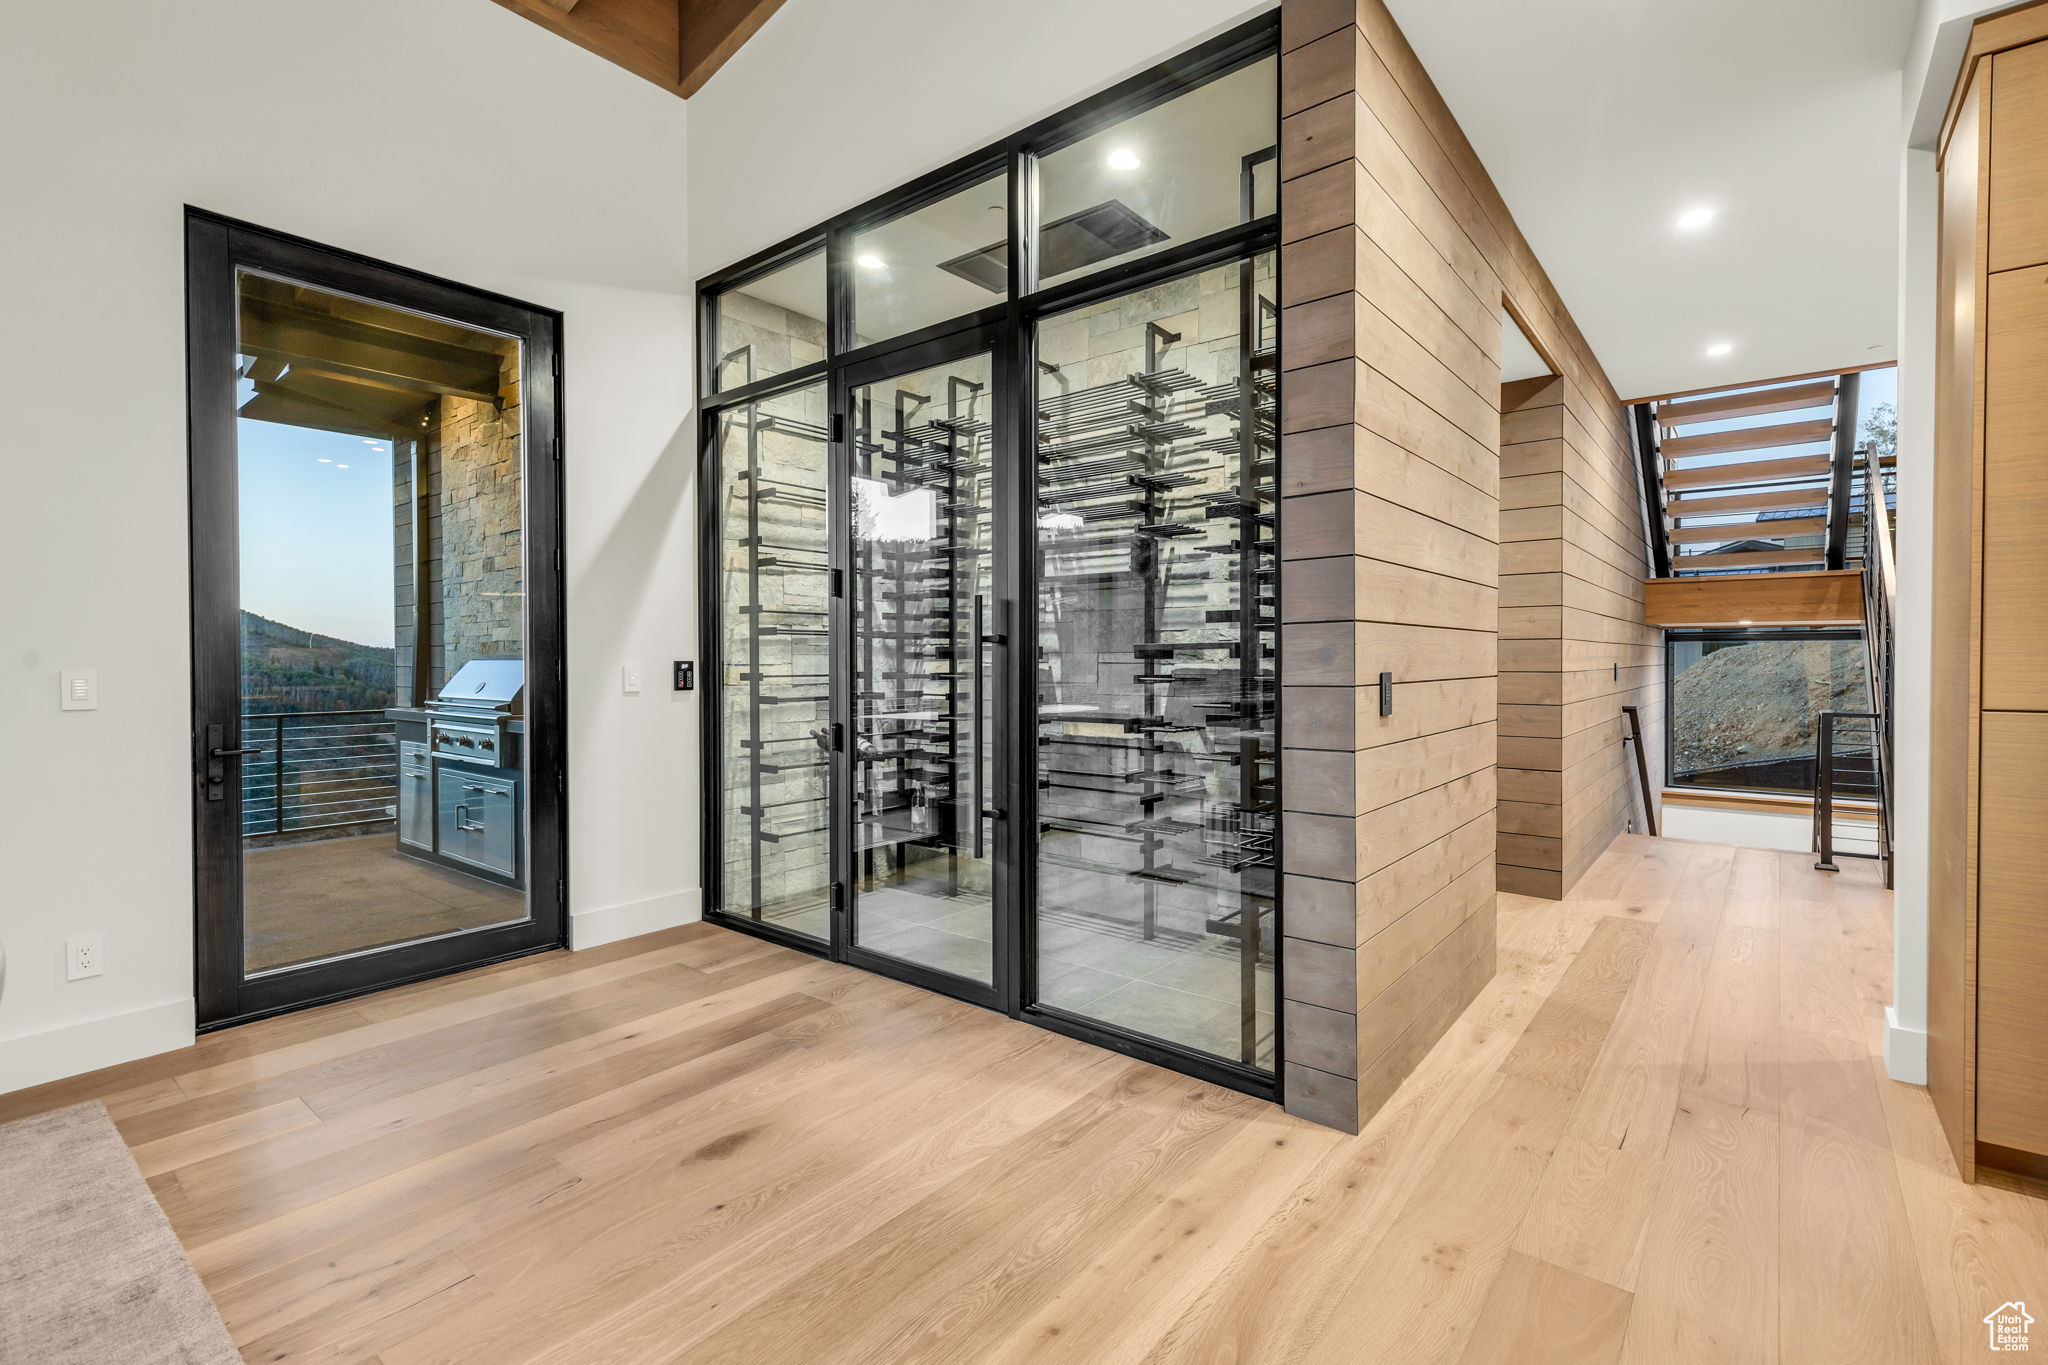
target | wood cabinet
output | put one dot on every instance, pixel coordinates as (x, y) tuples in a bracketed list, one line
[(2012, 933), (1987, 1055)]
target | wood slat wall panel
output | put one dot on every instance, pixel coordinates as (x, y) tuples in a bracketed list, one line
[(1568, 798), (1398, 258)]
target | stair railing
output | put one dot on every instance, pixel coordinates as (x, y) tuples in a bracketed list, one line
[(1635, 738), (1852, 770), (1880, 602)]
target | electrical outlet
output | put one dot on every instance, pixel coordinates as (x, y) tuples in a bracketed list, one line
[(83, 957)]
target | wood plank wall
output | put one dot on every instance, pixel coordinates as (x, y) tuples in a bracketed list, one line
[(1574, 648), (1398, 255)]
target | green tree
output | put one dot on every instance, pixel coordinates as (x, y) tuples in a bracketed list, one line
[(1881, 432)]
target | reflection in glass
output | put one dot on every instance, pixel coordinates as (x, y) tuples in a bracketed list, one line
[(379, 486), (1197, 164), (942, 261), (1742, 711), (771, 324), (922, 592), (1156, 631), (774, 586)]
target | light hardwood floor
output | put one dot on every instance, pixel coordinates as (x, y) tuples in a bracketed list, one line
[(1662, 1133)]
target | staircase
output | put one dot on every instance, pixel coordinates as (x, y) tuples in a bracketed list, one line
[(1737, 494), (1744, 484)]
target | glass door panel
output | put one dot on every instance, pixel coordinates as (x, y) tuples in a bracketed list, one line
[(1157, 635), (382, 626), (922, 585), (774, 654)]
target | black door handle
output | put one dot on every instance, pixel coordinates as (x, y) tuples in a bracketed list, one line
[(217, 754)]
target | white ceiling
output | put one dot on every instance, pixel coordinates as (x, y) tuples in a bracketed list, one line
[(1602, 120)]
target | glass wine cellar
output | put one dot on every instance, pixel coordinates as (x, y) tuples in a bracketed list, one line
[(989, 506)]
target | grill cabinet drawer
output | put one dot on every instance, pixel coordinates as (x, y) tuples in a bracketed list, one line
[(415, 795), (478, 819)]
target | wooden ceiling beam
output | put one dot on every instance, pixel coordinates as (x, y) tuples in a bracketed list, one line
[(677, 44), (712, 31), (643, 36)]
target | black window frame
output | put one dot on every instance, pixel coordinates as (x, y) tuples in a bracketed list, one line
[(1008, 328), (1733, 635)]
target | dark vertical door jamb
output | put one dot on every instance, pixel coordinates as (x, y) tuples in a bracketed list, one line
[(842, 819), (216, 698), (1017, 731)]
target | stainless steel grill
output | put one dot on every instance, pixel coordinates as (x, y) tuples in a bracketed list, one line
[(467, 720)]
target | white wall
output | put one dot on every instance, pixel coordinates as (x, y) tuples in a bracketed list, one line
[(1905, 1046), (1783, 831), (447, 135), (785, 135)]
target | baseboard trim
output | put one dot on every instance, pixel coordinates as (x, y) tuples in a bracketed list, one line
[(73, 1049), (610, 923), (1905, 1050)]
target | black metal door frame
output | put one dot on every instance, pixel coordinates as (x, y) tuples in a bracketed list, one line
[(218, 250), (928, 353), (1007, 328)]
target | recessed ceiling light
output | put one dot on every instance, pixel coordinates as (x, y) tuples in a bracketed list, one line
[(325, 460), (341, 466), (1123, 159), (1721, 348), (868, 260), (1695, 218)]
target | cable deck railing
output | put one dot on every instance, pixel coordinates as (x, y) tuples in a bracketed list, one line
[(318, 770)]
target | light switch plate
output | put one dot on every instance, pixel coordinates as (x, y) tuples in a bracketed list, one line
[(78, 689), (629, 678)]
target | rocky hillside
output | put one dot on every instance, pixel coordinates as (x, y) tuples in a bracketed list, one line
[(288, 669), (1751, 703)]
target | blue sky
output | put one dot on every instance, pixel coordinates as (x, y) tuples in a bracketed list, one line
[(316, 532)]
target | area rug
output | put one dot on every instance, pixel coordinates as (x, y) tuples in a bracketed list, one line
[(90, 1271)]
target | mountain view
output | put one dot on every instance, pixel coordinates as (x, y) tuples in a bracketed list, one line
[(288, 669)]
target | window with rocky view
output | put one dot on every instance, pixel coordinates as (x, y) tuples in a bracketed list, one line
[(1743, 708)]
